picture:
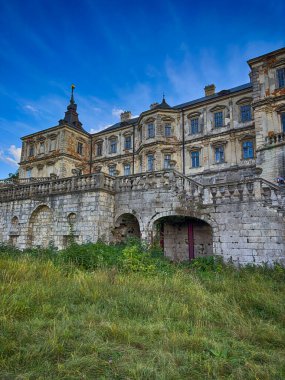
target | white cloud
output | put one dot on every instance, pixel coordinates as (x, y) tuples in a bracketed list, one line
[(117, 111), (31, 108), (15, 152), (11, 156)]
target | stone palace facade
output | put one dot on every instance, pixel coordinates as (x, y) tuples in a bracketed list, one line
[(199, 177)]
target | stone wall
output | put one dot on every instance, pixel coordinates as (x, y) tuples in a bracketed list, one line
[(245, 220)]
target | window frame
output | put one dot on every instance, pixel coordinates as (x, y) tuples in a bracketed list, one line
[(112, 170), (279, 78), (242, 112), (129, 169), (99, 149), (195, 159), (247, 156), (167, 127), (150, 131), (220, 148), (128, 142), (80, 148), (194, 129), (31, 150), (167, 161), (42, 147), (221, 120), (150, 169), (113, 146), (282, 121)]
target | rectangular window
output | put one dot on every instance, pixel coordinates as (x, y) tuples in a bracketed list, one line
[(140, 165), (167, 130), (112, 170), (28, 173), (42, 147), (150, 131), (127, 169), (31, 150), (283, 121), (195, 159), (281, 77), (99, 149), (194, 126), (128, 142), (52, 144), (218, 119), (167, 159), (219, 155), (150, 162), (113, 146), (245, 113), (80, 148), (247, 150)]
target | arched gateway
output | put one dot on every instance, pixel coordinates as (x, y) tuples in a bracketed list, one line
[(183, 238), (40, 230), (126, 226)]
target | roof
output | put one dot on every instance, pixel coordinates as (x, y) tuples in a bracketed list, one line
[(121, 124), (216, 95), (271, 54), (164, 105)]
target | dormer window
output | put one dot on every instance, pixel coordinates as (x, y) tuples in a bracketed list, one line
[(245, 113), (218, 119), (150, 130), (281, 77), (80, 148), (167, 130)]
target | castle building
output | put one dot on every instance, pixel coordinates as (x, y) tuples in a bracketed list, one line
[(232, 133), (226, 138)]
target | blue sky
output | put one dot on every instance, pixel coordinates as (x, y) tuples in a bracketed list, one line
[(121, 55)]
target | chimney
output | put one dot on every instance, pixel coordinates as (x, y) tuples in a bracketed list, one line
[(153, 105), (210, 90), (126, 115)]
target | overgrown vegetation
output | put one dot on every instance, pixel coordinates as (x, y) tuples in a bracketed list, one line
[(124, 312)]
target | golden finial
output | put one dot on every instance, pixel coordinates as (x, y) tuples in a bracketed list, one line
[(72, 86)]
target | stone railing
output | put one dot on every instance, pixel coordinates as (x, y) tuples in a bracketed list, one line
[(256, 189), (36, 189), (275, 138), (8, 182), (167, 179), (187, 190)]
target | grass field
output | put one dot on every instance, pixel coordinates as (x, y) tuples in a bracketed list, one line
[(99, 312)]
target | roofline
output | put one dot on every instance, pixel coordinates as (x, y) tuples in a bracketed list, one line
[(212, 98), (54, 128), (271, 54)]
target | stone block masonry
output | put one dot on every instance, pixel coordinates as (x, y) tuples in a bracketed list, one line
[(241, 222)]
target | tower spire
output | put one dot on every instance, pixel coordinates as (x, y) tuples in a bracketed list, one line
[(71, 115), (72, 97)]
